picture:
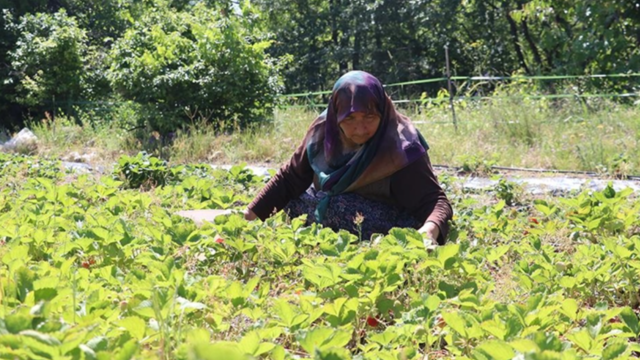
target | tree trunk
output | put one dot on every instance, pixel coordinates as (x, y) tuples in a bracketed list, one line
[(532, 44), (516, 41), (357, 45)]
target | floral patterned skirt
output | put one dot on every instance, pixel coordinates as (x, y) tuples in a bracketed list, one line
[(345, 210)]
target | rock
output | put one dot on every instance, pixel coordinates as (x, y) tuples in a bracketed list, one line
[(4, 136), (25, 142), (78, 158)]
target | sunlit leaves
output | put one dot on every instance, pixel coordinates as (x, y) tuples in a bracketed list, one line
[(154, 281)]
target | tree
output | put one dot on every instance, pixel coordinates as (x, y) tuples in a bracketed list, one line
[(179, 63), (47, 60)]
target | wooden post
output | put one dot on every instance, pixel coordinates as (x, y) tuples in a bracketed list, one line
[(453, 110), (53, 118)]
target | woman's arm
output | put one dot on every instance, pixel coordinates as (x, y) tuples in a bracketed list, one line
[(293, 179), (416, 189)]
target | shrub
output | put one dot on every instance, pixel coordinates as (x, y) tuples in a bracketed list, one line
[(144, 171), (183, 65), (47, 60)]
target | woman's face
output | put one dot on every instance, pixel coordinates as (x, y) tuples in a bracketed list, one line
[(359, 127)]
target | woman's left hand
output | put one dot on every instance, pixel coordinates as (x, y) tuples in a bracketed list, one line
[(432, 232)]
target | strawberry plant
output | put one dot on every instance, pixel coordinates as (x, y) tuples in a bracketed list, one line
[(90, 269)]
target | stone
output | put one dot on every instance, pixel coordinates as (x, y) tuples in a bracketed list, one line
[(24, 142)]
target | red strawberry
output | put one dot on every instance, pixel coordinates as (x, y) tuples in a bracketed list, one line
[(86, 265), (219, 240), (533, 220), (371, 321)]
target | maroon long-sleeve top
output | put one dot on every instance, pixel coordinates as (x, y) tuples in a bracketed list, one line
[(414, 188)]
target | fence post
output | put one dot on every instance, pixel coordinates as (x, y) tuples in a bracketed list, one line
[(453, 110)]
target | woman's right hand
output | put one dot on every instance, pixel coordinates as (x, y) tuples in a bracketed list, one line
[(249, 215)]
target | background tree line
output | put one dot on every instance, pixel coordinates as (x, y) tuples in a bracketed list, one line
[(222, 60)]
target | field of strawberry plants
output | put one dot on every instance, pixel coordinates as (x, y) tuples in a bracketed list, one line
[(100, 267)]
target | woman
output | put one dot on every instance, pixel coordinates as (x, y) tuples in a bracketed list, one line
[(368, 167)]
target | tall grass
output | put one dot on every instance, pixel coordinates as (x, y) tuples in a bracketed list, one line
[(598, 136)]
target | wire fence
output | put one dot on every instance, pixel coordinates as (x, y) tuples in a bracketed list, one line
[(470, 88), (310, 96), (452, 89)]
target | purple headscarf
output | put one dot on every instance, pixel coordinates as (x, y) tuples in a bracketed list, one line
[(396, 143)]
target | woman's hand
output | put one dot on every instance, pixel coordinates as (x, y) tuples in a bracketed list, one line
[(249, 215), (431, 232)]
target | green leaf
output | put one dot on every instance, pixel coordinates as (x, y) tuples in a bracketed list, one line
[(544, 207), (88, 352), (98, 343), (264, 348), (432, 302), (609, 192), (613, 350), (135, 326), (524, 345), (570, 308), (127, 351), (43, 338), (286, 313), (45, 294), (447, 252), (631, 320), (385, 338), (567, 282), (40, 346), (333, 353), (494, 329), (547, 342), (218, 351), (250, 342), (582, 339), (594, 224), (18, 322), (496, 350), (24, 282), (323, 338), (456, 322), (278, 353), (323, 275), (198, 335)]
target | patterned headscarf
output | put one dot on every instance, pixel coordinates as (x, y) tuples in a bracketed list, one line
[(396, 143)]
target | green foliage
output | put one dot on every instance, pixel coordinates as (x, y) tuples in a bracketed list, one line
[(402, 41), (223, 61), (144, 171), (15, 166), (91, 270), (507, 191), (194, 64), (48, 58)]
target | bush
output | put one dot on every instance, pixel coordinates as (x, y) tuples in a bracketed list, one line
[(48, 58), (197, 64), (144, 171)]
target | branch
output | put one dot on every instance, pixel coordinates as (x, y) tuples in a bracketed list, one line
[(516, 42), (532, 44)]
